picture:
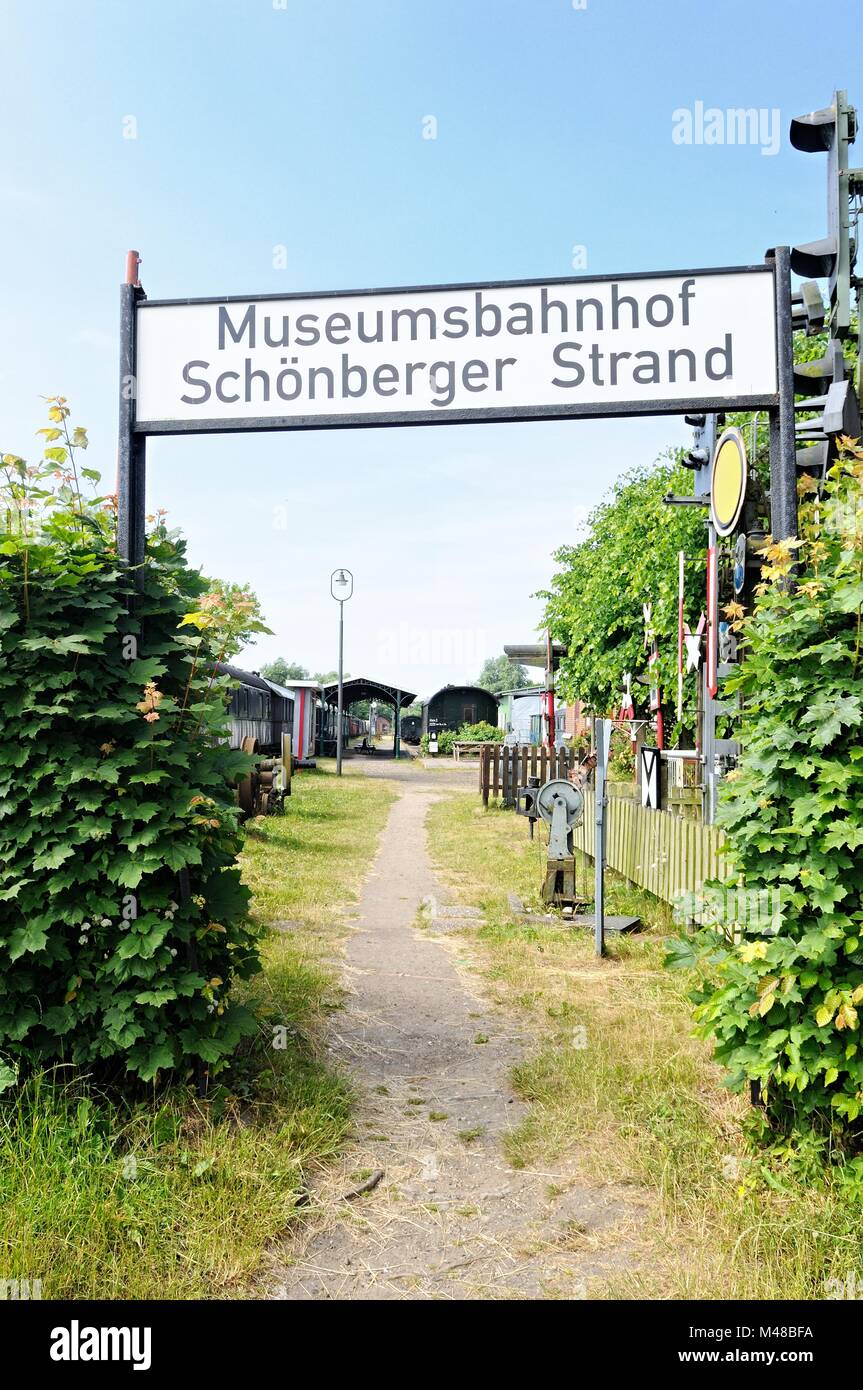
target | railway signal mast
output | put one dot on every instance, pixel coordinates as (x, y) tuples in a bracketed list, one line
[(825, 383)]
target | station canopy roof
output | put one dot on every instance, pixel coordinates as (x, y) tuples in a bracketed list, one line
[(358, 688)]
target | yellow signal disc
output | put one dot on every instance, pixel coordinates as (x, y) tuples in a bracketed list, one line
[(728, 482)]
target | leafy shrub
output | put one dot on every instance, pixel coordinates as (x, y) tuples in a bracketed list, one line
[(621, 759), (445, 740), (122, 915), (780, 993), (481, 732)]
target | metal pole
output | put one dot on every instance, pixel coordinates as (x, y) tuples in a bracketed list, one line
[(397, 733), (339, 736), (783, 462), (131, 451), (681, 570), (601, 731), (708, 701)]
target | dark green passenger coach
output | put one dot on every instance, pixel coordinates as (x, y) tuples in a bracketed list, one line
[(456, 705)]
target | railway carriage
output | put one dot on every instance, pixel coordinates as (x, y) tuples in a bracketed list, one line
[(259, 709), (411, 728), (456, 705)]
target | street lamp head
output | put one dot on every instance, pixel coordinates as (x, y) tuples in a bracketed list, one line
[(341, 584)]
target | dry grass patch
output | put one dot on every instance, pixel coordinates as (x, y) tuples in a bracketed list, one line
[(620, 1089)]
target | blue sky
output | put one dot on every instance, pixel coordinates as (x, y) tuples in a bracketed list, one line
[(262, 125)]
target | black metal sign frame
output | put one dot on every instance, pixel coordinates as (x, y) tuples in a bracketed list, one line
[(134, 432)]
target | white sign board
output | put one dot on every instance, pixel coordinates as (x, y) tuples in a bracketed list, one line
[(613, 346), (651, 773)]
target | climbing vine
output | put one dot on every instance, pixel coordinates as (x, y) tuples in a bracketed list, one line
[(782, 968), (123, 921)]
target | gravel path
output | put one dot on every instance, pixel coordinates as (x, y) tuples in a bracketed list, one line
[(447, 1217), (436, 774)]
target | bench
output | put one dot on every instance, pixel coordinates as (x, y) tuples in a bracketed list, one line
[(470, 745)]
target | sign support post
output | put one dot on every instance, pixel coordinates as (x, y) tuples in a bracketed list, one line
[(681, 576), (602, 735), (783, 460), (131, 452)]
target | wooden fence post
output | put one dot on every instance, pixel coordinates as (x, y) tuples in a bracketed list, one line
[(503, 769)]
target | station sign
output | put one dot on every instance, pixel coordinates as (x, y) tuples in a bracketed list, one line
[(661, 343)]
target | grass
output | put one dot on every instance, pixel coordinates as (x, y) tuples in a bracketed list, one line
[(302, 867), (176, 1197), (619, 1088)]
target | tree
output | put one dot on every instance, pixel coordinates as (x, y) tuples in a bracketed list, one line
[(628, 559), (282, 671), (234, 615), (230, 614), (499, 673), (327, 677)]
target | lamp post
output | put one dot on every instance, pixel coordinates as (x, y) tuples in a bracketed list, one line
[(341, 588)]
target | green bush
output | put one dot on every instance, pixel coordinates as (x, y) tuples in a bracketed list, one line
[(621, 760), (445, 741), (122, 915), (780, 992), (481, 732)]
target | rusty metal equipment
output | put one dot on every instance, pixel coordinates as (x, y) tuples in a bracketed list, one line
[(561, 806), (263, 789), (246, 787)]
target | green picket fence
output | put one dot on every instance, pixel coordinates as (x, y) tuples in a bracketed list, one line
[(660, 851)]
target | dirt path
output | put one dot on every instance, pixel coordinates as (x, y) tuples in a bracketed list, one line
[(449, 1218), (433, 773)]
